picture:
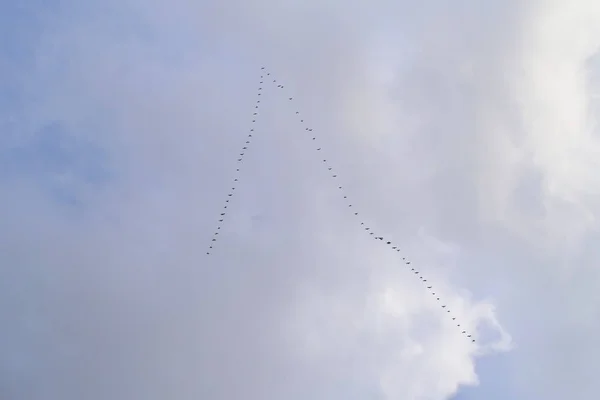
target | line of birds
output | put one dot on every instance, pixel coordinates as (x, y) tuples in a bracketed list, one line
[(237, 170), (334, 175), (367, 228)]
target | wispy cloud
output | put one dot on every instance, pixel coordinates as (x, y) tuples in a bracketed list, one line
[(463, 131)]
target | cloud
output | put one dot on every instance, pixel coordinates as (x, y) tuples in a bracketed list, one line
[(468, 123)]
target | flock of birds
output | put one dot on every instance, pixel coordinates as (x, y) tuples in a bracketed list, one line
[(265, 75)]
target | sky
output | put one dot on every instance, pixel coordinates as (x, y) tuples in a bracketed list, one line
[(466, 131)]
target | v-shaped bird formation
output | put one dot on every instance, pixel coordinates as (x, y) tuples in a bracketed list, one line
[(266, 75)]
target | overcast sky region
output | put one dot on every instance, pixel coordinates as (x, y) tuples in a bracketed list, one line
[(465, 130)]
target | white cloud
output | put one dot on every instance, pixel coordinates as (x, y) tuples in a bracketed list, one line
[(461, 119)]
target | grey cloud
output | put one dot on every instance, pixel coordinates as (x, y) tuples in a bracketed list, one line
[(124, 300)]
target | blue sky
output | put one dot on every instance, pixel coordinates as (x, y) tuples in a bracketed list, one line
[(467, 134)]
